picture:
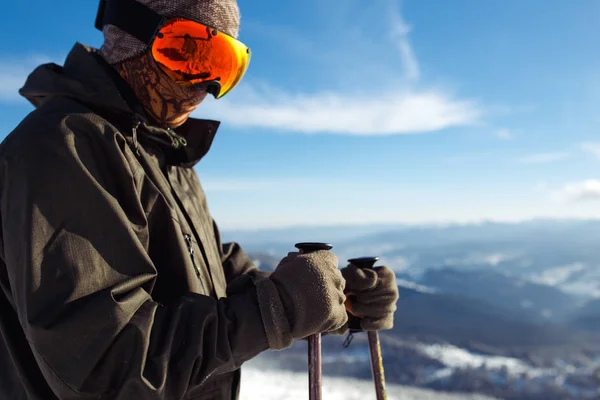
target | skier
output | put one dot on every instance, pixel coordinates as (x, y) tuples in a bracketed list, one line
[(115, 283)]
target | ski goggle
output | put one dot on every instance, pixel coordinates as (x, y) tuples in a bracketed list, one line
[(194, 54), (191, 53)]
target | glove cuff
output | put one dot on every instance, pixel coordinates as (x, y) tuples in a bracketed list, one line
[(276, 324)]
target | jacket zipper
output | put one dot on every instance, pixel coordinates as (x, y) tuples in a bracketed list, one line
[(188, 240), (176, 140)]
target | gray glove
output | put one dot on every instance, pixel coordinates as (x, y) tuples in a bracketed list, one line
[(303, 296)]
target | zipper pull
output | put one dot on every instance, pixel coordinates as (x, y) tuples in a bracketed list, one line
[(176, 140), (188, 240), (136, 124)]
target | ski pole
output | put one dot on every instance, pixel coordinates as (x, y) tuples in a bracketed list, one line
[(373, 336), (314, 341)]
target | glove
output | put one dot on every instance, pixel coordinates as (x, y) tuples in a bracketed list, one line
[(303, 296), (372, 296)]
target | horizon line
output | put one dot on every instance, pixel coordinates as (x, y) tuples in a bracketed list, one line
[(424, 224)]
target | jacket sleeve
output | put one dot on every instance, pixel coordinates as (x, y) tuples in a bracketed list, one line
[(236, 262), (81, 280)]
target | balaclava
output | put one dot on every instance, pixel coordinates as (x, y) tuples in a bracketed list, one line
[(224, 15)]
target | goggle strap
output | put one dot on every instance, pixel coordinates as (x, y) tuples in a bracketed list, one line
[(130, 16)]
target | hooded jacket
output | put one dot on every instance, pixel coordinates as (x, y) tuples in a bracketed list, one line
[(114, 283)]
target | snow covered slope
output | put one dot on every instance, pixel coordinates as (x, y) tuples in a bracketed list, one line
[(261, 384)]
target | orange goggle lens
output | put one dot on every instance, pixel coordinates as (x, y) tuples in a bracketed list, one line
[(192, 54)]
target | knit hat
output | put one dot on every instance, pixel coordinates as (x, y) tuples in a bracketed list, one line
[(224, 15)]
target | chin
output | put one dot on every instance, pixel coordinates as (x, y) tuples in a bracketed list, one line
[(197, 100), (176, 122)]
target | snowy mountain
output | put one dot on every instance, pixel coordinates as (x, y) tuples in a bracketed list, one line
[(261, 384), (562, 254), (508, 310), (442, 367), (588, 316), (474, 308), (468, 321), (532, 300)]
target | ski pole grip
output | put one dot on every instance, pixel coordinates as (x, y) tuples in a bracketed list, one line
[(315, 371), (362, 263), (309, 247)]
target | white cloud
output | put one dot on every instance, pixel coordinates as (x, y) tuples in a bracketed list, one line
[(12, 79), (456, 357), (592, 148), (558, 275), (385, 107), (387, 113), (492, 259), (13, 74), (544, 158), (415, 286), (581, 191), (392, 109), (495, 259), (398, 263), (588, 286)]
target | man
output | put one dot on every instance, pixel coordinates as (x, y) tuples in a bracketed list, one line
[(115, 282)]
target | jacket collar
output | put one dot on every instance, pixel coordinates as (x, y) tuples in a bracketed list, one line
[(86, 77)]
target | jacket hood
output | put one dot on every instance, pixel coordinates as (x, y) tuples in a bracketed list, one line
[(87, 78)]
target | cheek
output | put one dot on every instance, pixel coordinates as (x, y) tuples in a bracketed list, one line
[(188, 95), (197, 95), (180, 93)]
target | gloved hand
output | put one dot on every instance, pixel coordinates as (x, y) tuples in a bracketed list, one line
[(372, 296), (303, 296)]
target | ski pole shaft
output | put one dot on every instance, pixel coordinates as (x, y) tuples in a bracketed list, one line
[(377, 365), (314, 367), (314, 341), (373, 336)]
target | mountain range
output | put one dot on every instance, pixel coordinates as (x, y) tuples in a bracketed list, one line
[(529, 292)]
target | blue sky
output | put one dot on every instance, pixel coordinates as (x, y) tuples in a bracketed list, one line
[(382, 111)]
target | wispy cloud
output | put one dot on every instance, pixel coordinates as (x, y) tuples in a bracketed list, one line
[(11, 80), (399, 32), (411, 107), (14, 72), (400, 104), (581, 191), (321, 186), (504, 134), (592, 148), (393, 113), (544, 158), (559, 275)]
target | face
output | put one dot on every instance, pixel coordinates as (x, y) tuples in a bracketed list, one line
[(167, 102)]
